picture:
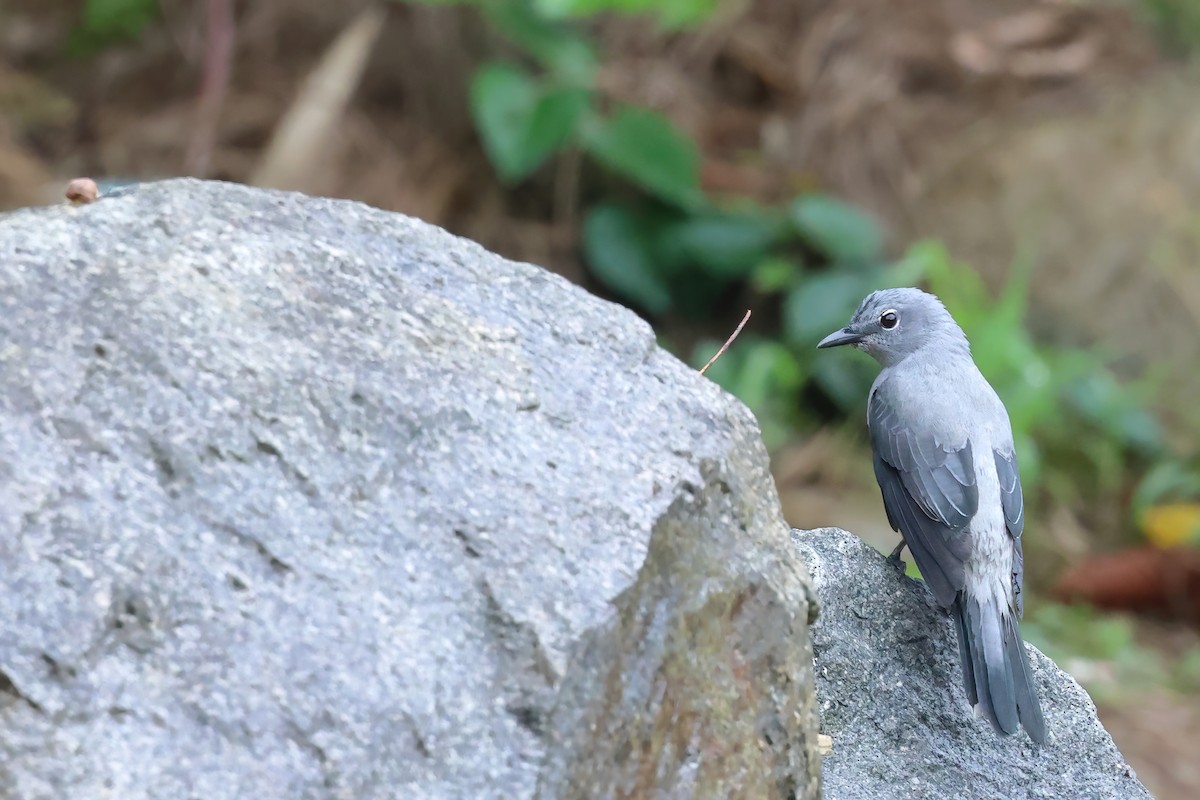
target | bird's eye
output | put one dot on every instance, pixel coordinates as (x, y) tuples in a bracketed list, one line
[(889, 319)]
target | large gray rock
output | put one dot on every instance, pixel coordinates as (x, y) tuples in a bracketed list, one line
[(891, 698), (300, 499)]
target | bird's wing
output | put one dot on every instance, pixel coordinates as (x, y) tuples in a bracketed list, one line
[(929, 494), (1014, 517), (1010, 493)]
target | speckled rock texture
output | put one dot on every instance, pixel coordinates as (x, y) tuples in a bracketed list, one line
[(890, 691), (301, 499)]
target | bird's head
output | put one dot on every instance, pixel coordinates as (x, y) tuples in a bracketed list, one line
[(892, 324)]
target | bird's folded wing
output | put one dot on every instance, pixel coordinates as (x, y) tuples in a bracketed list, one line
[(929, 494), (1010, 492), (1014, 517)]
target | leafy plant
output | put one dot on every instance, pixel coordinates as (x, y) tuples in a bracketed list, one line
[(823, 258), (527, 112), (1075, 424), (662, 245), (668, 247)]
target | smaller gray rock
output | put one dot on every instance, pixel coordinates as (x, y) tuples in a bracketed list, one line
[(890, 695)]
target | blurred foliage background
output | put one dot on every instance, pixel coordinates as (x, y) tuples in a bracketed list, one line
[(1035, 163)]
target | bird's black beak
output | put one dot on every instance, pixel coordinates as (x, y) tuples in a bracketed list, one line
[(846, 335)]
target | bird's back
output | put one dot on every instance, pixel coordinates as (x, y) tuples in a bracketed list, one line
[(946, 396)]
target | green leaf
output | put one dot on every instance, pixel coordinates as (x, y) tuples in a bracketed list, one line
[(520, 122), (821, 304), (620, 249), (553, 121), (840, 231), (767, 369), (553, 45), (1014, 300), (1099, 397), (502, 101), (911, 270), (645, 148), (846, 381), (726, 246), (958, 286), (774, 274), (1166, 482)]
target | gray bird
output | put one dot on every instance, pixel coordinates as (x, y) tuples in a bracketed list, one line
[(946, 465)]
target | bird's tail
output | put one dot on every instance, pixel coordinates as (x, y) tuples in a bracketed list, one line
[(995, 666)]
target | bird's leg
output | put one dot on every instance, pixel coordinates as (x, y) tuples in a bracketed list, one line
[(894, 558)]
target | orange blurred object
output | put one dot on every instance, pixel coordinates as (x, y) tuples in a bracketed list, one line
[(1147, 580)]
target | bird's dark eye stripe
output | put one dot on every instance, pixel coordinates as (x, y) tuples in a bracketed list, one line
[(889, 319)]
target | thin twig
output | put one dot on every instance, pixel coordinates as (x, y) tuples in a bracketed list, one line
[(728, 342)]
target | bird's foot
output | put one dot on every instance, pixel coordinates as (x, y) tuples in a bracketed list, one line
[(894, 558)]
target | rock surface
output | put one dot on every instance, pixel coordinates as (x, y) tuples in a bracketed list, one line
[(890, 692), (302, 499)]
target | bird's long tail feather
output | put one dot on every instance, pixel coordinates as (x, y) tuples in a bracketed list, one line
[(995, 667)]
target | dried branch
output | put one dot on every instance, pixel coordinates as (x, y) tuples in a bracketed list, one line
[(728, 342)]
